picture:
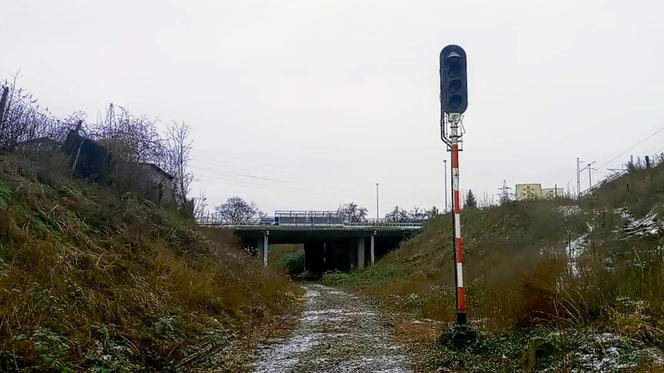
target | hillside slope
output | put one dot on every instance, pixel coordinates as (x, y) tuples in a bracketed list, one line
[(538, 268), (91, 280)]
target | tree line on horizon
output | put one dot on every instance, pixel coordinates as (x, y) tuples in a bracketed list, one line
[(236, 210)]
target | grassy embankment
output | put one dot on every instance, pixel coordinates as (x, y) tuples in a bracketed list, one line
[(92, 280), (523, 281)]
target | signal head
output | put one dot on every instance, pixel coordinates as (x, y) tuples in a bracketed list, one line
[(453, 83)]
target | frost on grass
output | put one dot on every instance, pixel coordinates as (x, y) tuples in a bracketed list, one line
[(606, 352)]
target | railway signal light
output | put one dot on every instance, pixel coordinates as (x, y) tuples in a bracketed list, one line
[(453, 84), (453, 103)]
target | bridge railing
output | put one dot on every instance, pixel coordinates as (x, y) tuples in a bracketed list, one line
[(280, 221), (386, 223)]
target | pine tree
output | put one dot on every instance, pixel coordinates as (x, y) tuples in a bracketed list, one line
[(471, 202)]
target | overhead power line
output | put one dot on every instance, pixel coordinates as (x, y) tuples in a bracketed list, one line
[(632, 147)]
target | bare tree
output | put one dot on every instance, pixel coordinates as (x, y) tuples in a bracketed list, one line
[(432, 212), (351, 212), (179, 149), (200, 206), (397, 215), (238, 211), (417, 214)]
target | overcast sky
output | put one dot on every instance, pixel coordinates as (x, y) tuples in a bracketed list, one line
[(305, 104)]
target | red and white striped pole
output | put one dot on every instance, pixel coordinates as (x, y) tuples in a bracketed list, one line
[(457, 242)]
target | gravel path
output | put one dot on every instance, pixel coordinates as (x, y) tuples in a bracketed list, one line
[(338, 332)]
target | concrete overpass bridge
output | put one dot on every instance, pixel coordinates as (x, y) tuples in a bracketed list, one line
[(330, 242)]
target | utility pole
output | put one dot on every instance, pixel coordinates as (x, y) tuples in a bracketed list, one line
[(590, 170), (445, 183), (590, 174), (377, 210), (578, 177)]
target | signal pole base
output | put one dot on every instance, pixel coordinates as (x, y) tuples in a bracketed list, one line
[(461, 318), (458, 337)]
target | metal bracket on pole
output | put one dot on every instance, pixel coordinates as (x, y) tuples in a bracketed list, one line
[(455, 131), (443, 130)]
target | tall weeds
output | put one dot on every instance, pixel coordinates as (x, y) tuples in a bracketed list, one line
[(92, 280), (522, 270)]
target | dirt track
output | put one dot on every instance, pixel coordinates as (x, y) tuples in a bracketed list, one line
[(338, 332)]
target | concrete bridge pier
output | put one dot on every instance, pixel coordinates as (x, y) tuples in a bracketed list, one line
[(263, 246), (372, 248), (360, 253)]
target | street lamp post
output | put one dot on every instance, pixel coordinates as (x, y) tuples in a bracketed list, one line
[(377, 210)]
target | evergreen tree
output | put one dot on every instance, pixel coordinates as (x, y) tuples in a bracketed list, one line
[(471, 201)]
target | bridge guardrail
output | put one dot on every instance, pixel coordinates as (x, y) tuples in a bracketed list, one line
[(266, 223)]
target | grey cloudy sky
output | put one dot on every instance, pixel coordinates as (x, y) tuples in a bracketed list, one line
[(306, 104)]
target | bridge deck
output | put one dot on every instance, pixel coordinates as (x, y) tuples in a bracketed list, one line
[(321, 227)]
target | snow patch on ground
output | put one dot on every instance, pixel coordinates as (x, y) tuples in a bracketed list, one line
[(569, 210), (575, 249), (646, 226), (606, 352)]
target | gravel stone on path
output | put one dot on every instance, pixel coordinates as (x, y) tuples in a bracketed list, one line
[(338, 332)]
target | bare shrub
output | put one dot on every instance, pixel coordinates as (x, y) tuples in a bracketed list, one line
[(23, 119), (132, 140)]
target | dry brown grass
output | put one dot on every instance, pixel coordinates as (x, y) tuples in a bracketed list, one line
[(418, 331), (517, 270), (521, 283), (637, 323), (513, 254), (90, 279)]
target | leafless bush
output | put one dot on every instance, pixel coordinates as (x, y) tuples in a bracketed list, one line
[(23, 119), (135, 140), (132, 140)]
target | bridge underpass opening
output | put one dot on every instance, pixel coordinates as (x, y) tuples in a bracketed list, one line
[(345, 254), (340, 248)]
